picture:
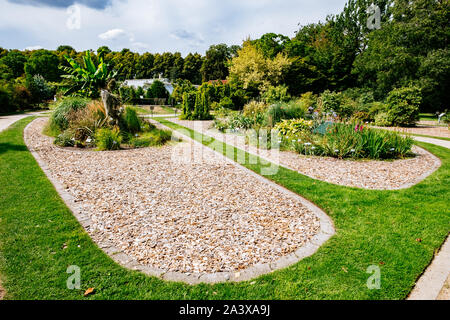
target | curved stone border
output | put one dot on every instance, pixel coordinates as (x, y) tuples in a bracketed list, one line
[(436, 165), (430, 284), (326, 232)]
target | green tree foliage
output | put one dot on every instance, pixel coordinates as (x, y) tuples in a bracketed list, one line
[(39, 89), (411, 47), (191, 68), (15, 62), (181, 87), (215, 66), (253, 70), (176, 70), (103, 51), (44, 63), (6, 104), (196, 104), (271, 44), (158, 90), (403, 106), (66, 49), (189, 99)]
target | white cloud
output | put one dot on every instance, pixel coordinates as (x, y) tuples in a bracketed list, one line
[(34, 48), (112, 34), (159, 25)]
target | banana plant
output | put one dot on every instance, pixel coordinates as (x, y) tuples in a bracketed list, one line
[(87, 80)]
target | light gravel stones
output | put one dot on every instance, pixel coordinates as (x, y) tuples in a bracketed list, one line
[(367, 174), (157, 211), (427, 130)]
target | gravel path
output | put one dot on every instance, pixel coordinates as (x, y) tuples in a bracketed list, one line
[(438, 142), (376, 175), (175, 215), (436, 131)]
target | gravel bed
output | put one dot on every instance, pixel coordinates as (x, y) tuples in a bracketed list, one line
[(176, 215), (367, 174)]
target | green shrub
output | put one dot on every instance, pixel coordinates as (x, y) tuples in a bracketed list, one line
[(276, 94), (158, 90), (360, 116), (308, 101), (65, 139), (226, 103), (108, 139), (201, 107), (354, 141), (155, 137), (337, 104), (254, 112), (127, 94), (239, 98), (240, 122), (221, 125), (282, 111), (189, 98), (403, 106), (59, 118), (130, 120), (6, 101), (140, 92), (21, 97), (376, 108), (330, 102), (291, 128), (383, 119), (39, 88)]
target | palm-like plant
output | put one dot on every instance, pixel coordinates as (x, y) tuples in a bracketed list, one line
[(87, 80)]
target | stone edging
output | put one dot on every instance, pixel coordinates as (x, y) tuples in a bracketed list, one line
[(326, 232), (433, 279)]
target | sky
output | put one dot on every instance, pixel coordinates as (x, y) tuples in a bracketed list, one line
[(152, 25)]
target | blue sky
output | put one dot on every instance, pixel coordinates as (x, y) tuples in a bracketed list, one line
[(152, 25)]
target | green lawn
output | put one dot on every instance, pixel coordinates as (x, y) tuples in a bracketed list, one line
[(159, 110), (428, 117), (39, 239)]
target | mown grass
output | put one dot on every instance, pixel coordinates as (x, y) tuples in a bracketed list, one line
[(158, 110), (40, 238)]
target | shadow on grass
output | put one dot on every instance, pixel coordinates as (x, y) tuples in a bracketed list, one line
[(4, 147)]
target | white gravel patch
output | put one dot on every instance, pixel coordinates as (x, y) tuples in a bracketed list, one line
[(179, 216), (367, 174)]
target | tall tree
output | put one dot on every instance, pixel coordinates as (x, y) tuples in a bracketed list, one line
[(215, 65), (410, 48), (255, 71), (192, 68), (15, 61), (271, 44), (44, 63)]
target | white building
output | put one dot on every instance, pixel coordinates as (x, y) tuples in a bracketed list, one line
[(146, 83)]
